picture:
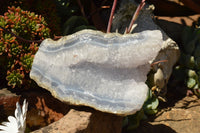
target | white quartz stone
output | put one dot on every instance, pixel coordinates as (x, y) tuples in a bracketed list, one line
[(104, 71)]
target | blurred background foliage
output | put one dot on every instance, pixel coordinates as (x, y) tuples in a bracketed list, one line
[(187, 70), (57, 12)]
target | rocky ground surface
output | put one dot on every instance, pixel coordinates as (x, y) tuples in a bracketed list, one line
[(180, 115), (183, 117)]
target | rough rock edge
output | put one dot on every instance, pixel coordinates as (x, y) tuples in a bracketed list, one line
[(145, 21)]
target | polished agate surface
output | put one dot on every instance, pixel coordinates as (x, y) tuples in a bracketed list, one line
[(103, 71)]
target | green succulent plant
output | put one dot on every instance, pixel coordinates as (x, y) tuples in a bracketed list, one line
[(26, 61), (133, 121), (16, 55), (14, 78), (188, 67), (150, 107)]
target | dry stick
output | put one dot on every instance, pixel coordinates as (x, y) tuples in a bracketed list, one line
[(111, 16), (157, 62), (135, 15), (20, 38), (81, 7)]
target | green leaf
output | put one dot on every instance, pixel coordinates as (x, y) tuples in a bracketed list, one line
[(192, 74), (72, 23), (155, 103), (134, 120), (151, 111), (191, 82), (151, 105)]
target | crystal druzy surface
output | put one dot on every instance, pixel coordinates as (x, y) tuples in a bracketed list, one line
[(103, 71)]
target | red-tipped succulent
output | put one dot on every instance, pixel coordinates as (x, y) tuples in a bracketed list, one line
[(17, 52)]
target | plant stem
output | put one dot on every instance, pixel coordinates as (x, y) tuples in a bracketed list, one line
[(136, 15), (81, 7), (20, 38), (157, 62), (111, 16)]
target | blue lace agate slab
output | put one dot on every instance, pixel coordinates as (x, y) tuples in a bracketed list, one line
[(103, 71)]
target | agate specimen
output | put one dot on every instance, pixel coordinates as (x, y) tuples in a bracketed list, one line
[(103, 71)]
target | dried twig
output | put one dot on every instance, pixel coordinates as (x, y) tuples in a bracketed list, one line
[(157, 62), (81, 7), (20, 38), (111, 16), (135, 16)]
